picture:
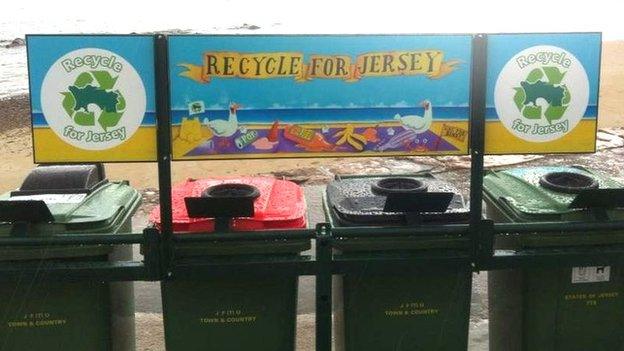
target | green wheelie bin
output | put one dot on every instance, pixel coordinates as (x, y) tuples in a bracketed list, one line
[(426, 308), (564, 308), (38, 313), (237, 311)]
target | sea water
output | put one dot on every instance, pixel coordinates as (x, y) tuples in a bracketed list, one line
[(18, 18)]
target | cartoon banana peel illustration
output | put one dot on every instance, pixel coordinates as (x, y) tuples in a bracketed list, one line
[(349, 136)]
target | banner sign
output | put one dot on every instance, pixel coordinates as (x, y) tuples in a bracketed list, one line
[(291, 64), (92, 98), (542, 93), (310, 96), (264, 96)]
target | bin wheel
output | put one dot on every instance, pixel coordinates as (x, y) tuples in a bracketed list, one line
[(396, 185), (568, 182)]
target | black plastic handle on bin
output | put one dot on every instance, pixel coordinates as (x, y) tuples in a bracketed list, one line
[(63, 179), (223, 202), (410, 195)]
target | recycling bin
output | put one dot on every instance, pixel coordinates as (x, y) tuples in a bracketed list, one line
[(564, 308), (37, 313), (238, 311), (425, 308)]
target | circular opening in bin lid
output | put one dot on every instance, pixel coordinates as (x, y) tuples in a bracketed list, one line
[(398, 185), (232, 190), (568, 182)]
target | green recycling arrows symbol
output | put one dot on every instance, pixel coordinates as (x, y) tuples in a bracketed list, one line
[(543, 83), (98, 88)]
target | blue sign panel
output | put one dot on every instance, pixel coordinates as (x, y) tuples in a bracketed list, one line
[(542, 92), (297, 96), (92, 97)]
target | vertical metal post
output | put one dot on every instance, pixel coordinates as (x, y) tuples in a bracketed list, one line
[(323, 288), (163, 147), (478, 87), (151, 256), (486, 244)]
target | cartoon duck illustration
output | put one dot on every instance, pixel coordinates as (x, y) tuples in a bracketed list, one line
[(225, 128), (417, 123)]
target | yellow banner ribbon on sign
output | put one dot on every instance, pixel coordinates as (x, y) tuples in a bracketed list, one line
[(429, 63)]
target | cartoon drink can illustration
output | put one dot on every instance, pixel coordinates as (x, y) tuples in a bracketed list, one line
[(246, 139)]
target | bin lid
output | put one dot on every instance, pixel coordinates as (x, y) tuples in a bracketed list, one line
[(547, 191), (279, 205), (394, 200), (63, 179), (103, 206)]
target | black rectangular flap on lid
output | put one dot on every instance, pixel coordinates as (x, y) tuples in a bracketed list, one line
[(207, 207), (226, 200), (418, 202), (31, 211), (598, 198)]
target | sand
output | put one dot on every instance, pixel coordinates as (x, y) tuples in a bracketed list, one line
[(611, 112)]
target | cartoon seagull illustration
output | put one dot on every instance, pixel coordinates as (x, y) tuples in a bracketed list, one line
[(225, 128), (417, 123)]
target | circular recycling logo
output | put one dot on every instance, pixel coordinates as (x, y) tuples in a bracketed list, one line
[(93, 99), (542, 93)]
